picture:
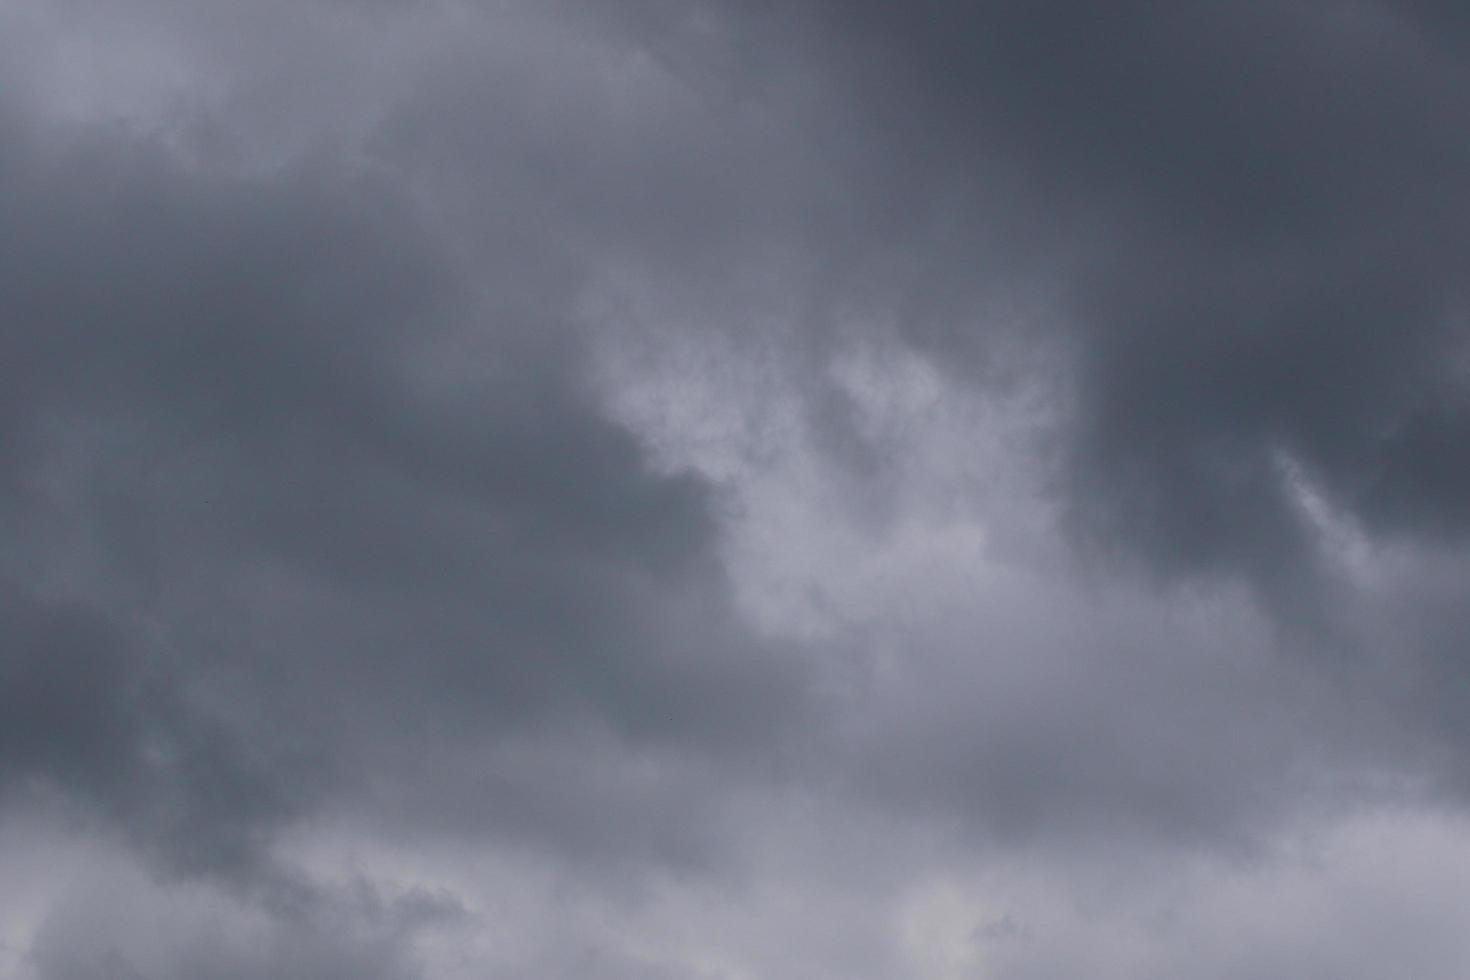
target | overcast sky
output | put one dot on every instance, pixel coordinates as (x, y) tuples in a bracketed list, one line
[(734, 489)]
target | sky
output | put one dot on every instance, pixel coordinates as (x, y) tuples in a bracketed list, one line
[(734, 490)]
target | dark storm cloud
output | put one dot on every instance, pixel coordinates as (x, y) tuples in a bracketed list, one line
[(1274, 201), (349, 460), (1232, 240), (322, 530), (304, 520), (83, 713)]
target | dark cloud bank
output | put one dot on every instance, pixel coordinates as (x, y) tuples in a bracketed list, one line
[(445, 537)]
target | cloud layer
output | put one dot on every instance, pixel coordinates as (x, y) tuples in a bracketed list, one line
[(716, 490)]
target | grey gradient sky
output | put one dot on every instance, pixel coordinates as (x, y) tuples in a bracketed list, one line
[(601, 489)]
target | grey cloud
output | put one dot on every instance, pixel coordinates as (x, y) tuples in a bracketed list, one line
[(124, 926), (1272, 198), (321, 520), (86, 712), (1243, 230), (251, 393)]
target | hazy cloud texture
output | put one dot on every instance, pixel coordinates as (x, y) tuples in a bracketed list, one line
[(697, 489)]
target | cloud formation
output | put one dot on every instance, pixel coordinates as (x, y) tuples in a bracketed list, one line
[(720, 490)]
